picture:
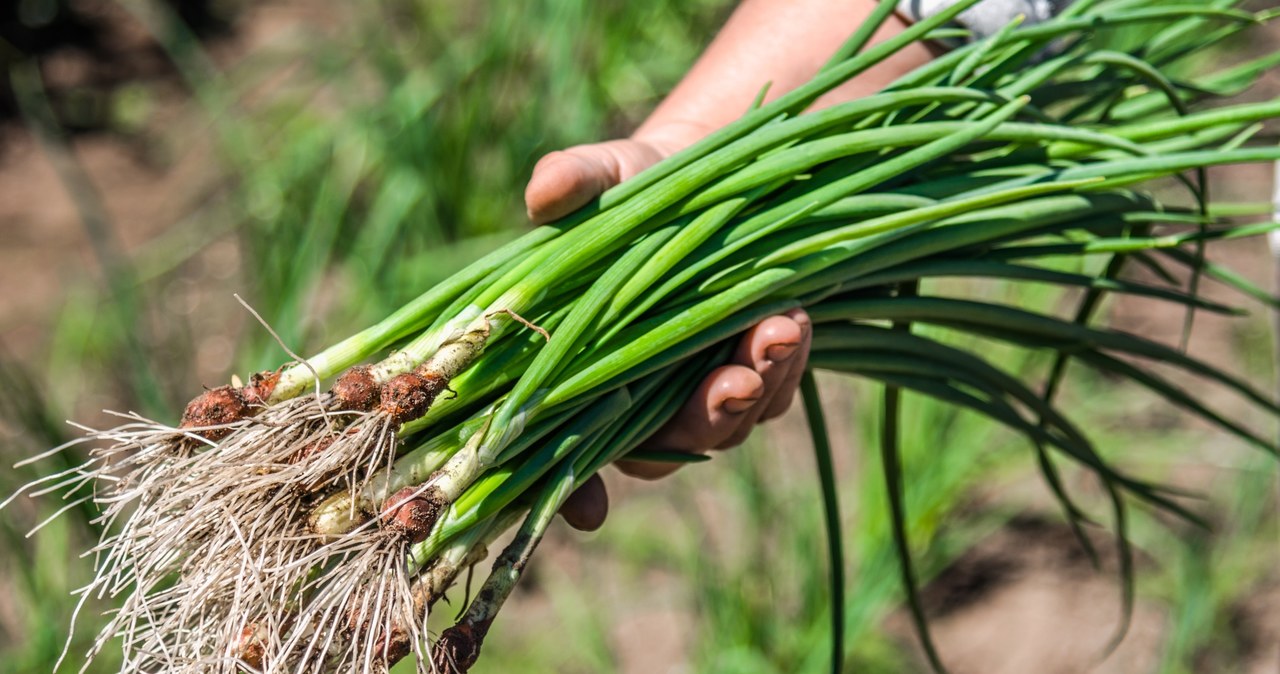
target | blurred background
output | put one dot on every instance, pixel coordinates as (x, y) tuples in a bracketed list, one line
[(328, 159)]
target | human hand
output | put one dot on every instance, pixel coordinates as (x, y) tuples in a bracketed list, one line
[(768, 362), (566, 180), (782, 43)]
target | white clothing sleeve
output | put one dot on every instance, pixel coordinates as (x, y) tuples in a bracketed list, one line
[(987, 17)]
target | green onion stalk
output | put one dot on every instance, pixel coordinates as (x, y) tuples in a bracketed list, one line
[(137, 465), (310, 444), (310, 531)]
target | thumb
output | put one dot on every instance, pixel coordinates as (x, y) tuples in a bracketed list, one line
[(564, 181)]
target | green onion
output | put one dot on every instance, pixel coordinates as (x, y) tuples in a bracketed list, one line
[(312, 530)]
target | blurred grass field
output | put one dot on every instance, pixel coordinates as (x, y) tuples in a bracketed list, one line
[(326, 160)]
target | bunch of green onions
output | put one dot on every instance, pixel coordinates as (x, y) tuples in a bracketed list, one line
[(284, 528)]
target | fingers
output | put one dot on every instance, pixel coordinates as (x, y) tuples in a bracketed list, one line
[(769, 361), (587, 506), (785, 394), (564, 181), (771, 349), (721, 413), (706, 419)]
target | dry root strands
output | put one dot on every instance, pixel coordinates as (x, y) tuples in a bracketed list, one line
[(244, 519), (294, 543), (245, 508), (371, 636), (364, 566), (142, 459), (133, 465)]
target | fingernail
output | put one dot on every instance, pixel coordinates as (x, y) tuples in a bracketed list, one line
[(738, 405), (779, 352)]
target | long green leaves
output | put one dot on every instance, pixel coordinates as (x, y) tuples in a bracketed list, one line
[(830, 511), (997, 162)]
